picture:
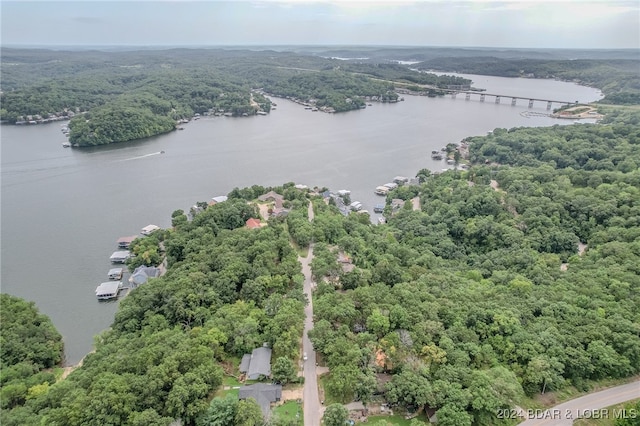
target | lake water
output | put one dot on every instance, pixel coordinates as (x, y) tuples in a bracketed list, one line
[(64, 209)]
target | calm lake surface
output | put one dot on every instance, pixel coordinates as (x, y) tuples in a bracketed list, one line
[(64, 209)]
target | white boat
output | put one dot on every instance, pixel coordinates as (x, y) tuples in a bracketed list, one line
[(391, 185), (381, 190), (66, 144), (355, 206)]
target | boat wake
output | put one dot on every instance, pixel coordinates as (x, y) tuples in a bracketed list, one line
[(143, 156)]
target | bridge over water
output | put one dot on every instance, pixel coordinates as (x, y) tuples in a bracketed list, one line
[(497, 98)]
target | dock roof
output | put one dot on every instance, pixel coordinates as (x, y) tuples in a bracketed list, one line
[(149, 229), (108, 288), (127, 240), (118, 255)]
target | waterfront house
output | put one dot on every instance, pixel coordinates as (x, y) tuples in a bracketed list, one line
[(355, 206), (120, 256), (257, 363), (272, 196), (263, 393), (142, 273), (147, 230)]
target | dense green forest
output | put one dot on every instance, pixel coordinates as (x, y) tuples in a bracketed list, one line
[(131, 95), (518, 276), (617, 78), (29, 347)]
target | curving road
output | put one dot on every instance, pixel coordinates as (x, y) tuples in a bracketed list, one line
[(591, 405), (311, 400)]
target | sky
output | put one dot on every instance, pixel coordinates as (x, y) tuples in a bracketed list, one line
[(588, 24)]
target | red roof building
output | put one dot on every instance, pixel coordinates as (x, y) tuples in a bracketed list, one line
[(253, 223)]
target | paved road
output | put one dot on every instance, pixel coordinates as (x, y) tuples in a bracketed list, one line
[(586, 406), (310, 398)]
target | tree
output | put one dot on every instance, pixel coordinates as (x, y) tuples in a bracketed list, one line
[(343, 381), (366, 386), (453, 416), (248, 413), (283, 370), (221, 412), (335, 415)]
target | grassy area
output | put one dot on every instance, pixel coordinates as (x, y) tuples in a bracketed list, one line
[(230, 381), (290, 410), (610, 414), (223, 393), (301, 251), (394, 420), (328, 398)]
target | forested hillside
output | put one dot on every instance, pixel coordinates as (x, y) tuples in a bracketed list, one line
[(516, 277), (131, 95), (617, 78), (30, 347), (483, 296)]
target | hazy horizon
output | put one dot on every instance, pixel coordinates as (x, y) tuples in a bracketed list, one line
[(512, 24)]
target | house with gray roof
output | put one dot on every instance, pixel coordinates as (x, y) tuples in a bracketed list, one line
[(263, 393), (272, 196), (257, 363), (142, 273)]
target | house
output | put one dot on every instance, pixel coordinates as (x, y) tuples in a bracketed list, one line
[(263, 393), (257, 363), (142, 273), (147, 230), (272, 196), (252, 223)]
